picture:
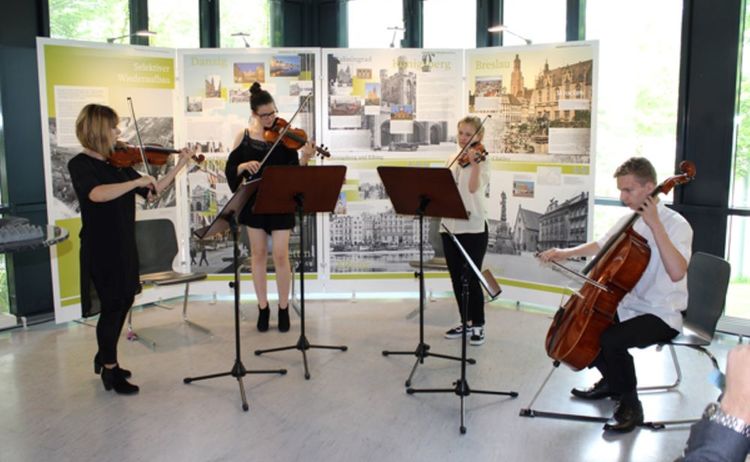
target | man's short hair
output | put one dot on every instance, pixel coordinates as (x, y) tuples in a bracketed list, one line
[(639, 167)]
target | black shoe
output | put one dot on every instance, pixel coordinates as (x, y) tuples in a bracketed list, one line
[(284, 319), (598, 391), (98, 365), (113, 378), (263, 315), (627, 416)]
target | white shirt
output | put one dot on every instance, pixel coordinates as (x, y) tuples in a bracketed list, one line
[(475, 203), (655, 293)]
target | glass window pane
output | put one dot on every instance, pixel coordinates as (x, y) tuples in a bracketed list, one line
[(4, 303), (448, 26), (370, 20), (248, 17), (94, 20), (639, 62), (541, 21), (605, 217), (175, 23), (741, 188), (738, 254)]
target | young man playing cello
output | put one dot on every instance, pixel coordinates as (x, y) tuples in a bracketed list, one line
[(651, 312)]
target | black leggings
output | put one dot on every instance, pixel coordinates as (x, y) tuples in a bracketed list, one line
[(475, 245), (614, 361), (108, 329)]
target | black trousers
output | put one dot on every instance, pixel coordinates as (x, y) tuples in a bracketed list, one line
[(108, 329), (615, 363), (475, 245)]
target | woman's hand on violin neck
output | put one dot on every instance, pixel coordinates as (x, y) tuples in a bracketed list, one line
[(308, 150), (185, 156)]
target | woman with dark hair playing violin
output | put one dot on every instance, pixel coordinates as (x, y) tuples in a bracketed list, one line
[(472, 178), (650, 312), (250, 147), (109, 257)]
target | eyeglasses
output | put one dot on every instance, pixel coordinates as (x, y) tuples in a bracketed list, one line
[(267, 115)]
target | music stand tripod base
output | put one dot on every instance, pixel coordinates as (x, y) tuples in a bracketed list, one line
[(227, 219), (461, 386), (422, 192), (288, 189)]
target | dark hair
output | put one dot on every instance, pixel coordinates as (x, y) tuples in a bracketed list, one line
[(259, 97), (640, 168)]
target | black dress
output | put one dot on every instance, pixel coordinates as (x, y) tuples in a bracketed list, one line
[(109, 256), (250, 149)]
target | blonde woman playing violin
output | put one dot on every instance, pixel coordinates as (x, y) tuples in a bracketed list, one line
[(109, 257), (472, 178)]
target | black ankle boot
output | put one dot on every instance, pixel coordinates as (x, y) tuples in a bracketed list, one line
[(98, 365), (113, 378), (284, 319), (263, 315)]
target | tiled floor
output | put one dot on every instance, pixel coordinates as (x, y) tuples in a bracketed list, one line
[(52, 406)]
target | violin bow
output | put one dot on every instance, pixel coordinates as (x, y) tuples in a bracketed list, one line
[(138, 137), (157, 195), (468, 143)]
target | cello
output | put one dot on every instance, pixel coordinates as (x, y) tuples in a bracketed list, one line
[(573, 337)]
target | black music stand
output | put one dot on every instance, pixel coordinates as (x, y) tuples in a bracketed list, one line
[(461, 386), (288, 189), (422, 191), (227, 218)]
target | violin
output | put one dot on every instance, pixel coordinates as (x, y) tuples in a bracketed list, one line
[(292, 138), (127, 155), (480, 154)]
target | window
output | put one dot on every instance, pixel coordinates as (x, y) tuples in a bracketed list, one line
[(541, 21), (94, 20), (738, 254), (373, 23), (175, 23), (248, 17), (448, 26), (738, 246), (639, 62)]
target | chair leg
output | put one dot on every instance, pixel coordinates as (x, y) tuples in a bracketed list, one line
[(184, 313), (678, 374), (133, 336), (530, 412)]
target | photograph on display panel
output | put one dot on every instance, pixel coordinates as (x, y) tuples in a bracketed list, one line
[(366, 235), (399, 101), (540, 99)]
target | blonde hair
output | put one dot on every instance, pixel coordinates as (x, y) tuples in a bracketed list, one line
[(475, 122), (93, 128), (641, 169)]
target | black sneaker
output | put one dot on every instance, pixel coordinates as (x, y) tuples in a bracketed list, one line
[(477, 335), (456, 331)]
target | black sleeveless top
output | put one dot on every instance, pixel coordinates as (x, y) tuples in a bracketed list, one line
[(251, 149)]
